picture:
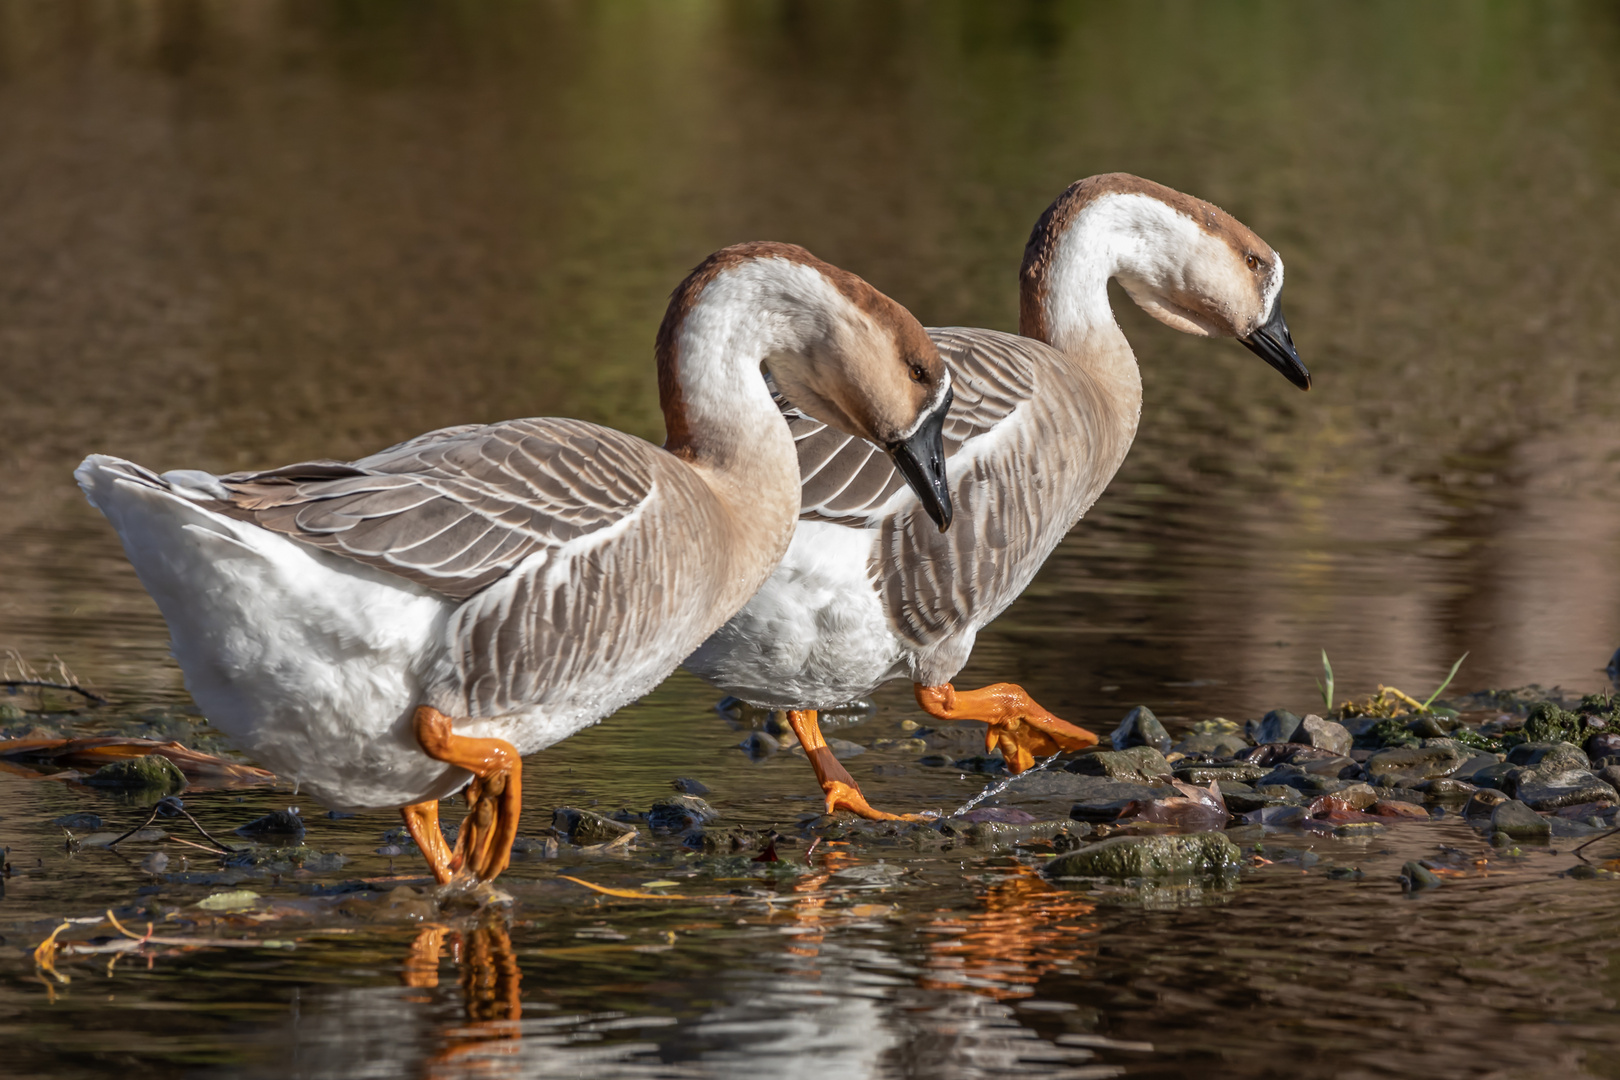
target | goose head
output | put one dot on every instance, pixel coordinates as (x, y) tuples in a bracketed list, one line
[(836, 347), (1186, 262)]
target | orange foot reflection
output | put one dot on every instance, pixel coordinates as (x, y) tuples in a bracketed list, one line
[(1020, 727), (491, 991)]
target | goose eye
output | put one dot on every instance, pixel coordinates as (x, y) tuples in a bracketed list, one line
[(1252, 261), (918, 373)]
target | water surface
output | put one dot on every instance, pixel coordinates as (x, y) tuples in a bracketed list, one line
[(238, 234)]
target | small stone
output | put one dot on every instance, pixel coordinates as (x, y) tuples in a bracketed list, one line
[(1603, 744), (679, 813), (936, 761), (1096, 798), (10, 713), (545, 847), (278, 824), (1445, 787), (87, 822), (1499, 776), (586, 828), (903, 746), (1518, 821), (1139, 763), (229, 901), (1124, 857), (1610, 774), (1345, 873), (687, 786), (1219, 725), (1582, 872), (155, 863), (758, 745), (1415, 876), (153, 772), (1357, 796), (1322, 734), (910, 725), (1141, 728), (1548, 791), (1277, 726)]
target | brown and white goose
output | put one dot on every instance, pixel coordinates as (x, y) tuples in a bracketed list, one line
[(382, 631), (869, 591)]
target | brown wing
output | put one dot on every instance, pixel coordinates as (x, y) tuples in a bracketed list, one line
[(848, 480), (457, 509)]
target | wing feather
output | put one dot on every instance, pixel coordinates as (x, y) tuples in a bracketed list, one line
[(457, 509)]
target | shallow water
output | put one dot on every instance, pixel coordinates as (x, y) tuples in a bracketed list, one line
[(247, 233)]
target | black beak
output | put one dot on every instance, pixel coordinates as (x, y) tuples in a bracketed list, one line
[(1275, 345), (921, 460)]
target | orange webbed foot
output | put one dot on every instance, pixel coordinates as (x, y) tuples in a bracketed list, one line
[(842, 791), (495, 797), (1019, 727)]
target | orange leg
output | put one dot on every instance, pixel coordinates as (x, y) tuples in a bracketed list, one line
[(840, 787), (1022, 729), (422, 819), (495, 795)]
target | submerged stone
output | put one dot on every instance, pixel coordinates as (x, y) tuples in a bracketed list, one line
[(1096, 798), (1415, 876), (90, 822), (1240, 772), (1212, 744), (1483, 802), (153, 772), (278, 823), (687, 786), (758, 745), (1124, 857), (1520, 822), (1141, 728)]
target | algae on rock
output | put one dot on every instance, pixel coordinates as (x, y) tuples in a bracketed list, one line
[(1124, 857)]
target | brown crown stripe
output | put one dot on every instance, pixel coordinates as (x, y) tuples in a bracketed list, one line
[(910, 338), (1041, 249)]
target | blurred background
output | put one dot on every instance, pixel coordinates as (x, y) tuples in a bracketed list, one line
[(244, 232)]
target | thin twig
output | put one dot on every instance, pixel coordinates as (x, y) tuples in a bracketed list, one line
[(204, 831), (46, 685), (1593, 840), (149, 819)]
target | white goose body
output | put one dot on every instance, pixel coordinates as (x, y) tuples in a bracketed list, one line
[(525, 578), (1040, 424)]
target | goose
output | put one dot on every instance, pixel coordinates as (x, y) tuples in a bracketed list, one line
[(868, 592), (386, 631)]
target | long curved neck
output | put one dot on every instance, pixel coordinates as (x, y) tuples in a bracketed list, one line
[(1084, 239), (718, 411)]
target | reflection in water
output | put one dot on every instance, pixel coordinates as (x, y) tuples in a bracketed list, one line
[(491, 992), (1028, 928)]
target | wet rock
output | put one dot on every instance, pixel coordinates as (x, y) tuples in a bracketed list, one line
[(903, 746), (1520, 822), (1238, 772), (759, 745), (1124, 857), (1141, 728), (280, 824), (1281, 794), (1305, 756), (587, 829), (687, 786), (1610, 774), (982, 763), (1242, 799), (1476, 761), (1431, 726), (10, 713), (1322, 734), (1547, 722), (1357, 796), (154, 772), (1010, 815), (1548, 791), (1139, 763), (1277, 726), (1421, 762), (86, 822), (1415, 876), (1483, 802), (935, 761), (1009, 834), (1309, 783), (679, 813), (1211, 744)]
